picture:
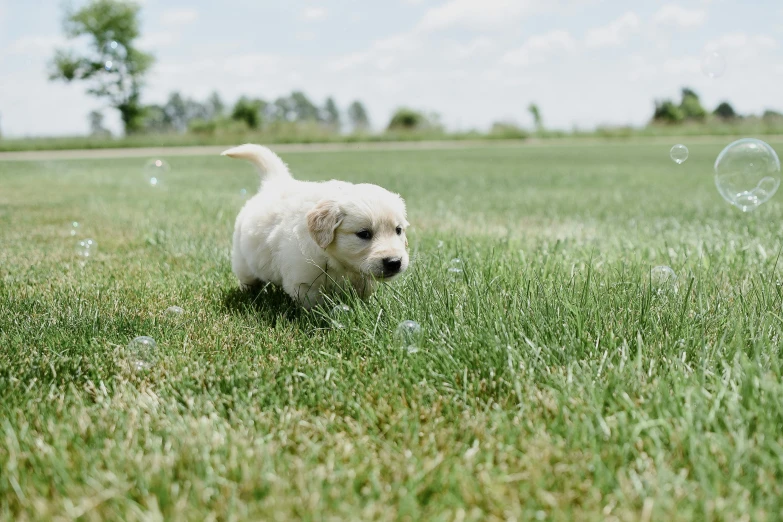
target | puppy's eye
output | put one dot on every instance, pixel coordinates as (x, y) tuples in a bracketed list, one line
[(364, 234), (399, 231)]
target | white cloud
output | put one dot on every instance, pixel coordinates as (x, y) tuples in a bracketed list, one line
[(477, 46), (613, 34), (673, 15), (179, 16), (156, 40), (382, 54), (741, 41), (682, 66), (538, 48), (349, 61), (36, 45), (314, 13), (473, 14), (305, 36)]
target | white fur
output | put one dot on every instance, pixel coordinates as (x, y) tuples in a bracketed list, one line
[(278, 231)]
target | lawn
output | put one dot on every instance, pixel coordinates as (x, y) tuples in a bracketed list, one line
[(554, 381)]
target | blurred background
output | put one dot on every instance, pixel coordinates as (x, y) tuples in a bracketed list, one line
[(207, 72)]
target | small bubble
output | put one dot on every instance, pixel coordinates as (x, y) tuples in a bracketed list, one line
[(155, 170), (663, 278), (174, 311), (108, 65), (679, 153), (74, 228), (142, 352), (409, 336), (86, 248), (243, 192), (713, 64), (440, 244), (339, 313)]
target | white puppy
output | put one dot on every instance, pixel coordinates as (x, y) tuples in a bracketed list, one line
[(312, 239)]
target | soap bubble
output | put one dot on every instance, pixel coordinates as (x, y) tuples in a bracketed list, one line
[(663, 278), (155, 171), (409, 336), (455, 268), (114, 53), (339, 313), (75, 228), (86, 248), (243, 192), (142, 352), (747, 173), (679, 154), (174, 311), (713, 64)]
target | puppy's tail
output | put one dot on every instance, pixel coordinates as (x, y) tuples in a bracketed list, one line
[(269, 164)]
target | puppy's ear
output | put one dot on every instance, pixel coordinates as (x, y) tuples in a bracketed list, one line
[(323, 220)]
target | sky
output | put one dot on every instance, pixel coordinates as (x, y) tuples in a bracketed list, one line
[(584, 62)]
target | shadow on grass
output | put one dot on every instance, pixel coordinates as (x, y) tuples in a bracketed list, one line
[(267, 302)]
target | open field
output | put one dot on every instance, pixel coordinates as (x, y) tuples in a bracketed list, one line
[(554, 382)]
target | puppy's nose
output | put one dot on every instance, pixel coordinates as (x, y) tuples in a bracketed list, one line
[(392, 265)]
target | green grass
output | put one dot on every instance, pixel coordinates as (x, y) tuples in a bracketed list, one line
[(553, 381)]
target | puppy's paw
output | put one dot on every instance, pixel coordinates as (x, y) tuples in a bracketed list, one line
[(248, 287)]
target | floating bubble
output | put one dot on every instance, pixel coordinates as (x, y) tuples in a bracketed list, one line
[(440, 244), (409, 336), (455, 268), (86, 248), (713, 64), (663, 278), (142, 353), (155, 170), (74, 228), (679, 153), (108, 65), (174, 311), (339, 313), (747, 173), (243, 192)]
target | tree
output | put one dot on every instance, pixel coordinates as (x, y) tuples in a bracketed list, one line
[(113, 67), (772, 116), (691, 106), (357, 115), (725, 111), (535, 113), (96, 124), (249, 111), (666, 111), (303, 109), (215, 106), (155, 120), (331, 114), (180, 111), (407, 119)]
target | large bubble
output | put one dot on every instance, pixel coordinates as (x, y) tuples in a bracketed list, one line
[(747, 173)]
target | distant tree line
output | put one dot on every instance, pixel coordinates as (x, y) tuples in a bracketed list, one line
[(181, 114), (690, 109)]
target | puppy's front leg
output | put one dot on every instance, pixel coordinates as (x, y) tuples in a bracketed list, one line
[(309, 295)]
